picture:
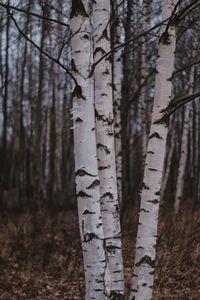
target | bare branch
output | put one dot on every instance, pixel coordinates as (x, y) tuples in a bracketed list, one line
[(6, 6), (175, 18), (57, 61), (185, 67), (175, 104)]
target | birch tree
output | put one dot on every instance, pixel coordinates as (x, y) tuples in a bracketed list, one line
[(106, 146), (86, 167), (143, 273)]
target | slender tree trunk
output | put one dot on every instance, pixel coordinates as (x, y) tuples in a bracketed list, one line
[(58, 131), (144, 73), (117, 31), (184, 150), (106, 147), (168, 158), (126, 110), (86, 167), (47, 147), (143, 273), (38, 119), (4, 177)]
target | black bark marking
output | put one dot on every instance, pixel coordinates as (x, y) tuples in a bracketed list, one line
[(163, 120), (99, 225), (82, 194), (146, 260), (90, 236), (82, 225), (86, 36), (152, 272), (78, 120), (78, 9), (82, 173), (110, 133), (108, 194), (103, 167), (145, 187), (150, 152), (99, 50), (77, 92), (153, 170), (108, 120), (112, 249), (155, 135), (144, 284), (157, 193), (165, 38), (73, 66), (117, 208), (144, 210), (87, 212), (155, 201), (94, 184), (116, 296), (105, 148), (105, 34), (106, 72)]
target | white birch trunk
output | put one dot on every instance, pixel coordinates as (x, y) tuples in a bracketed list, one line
[(143, 273), (106, 148), (117, 91), (87, 179), (184, 150)]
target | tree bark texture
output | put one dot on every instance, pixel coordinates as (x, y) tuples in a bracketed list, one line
[(86, 167), (143, 273), (106, 147)]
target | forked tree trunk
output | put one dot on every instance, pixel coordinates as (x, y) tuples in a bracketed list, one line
[(86, 167), (106, 148), (143, 275)]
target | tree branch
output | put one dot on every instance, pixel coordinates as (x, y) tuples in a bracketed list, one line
[(140, 35), (57, 61), (8, 7), (174, 105)]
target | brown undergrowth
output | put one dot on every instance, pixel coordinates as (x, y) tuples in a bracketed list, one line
[(40, 257)]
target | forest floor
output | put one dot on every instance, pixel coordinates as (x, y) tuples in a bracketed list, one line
[(40, 257)]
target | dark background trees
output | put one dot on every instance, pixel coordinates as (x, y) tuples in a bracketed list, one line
[(36, 137)]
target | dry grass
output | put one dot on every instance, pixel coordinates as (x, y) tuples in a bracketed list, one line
[(40, 257)]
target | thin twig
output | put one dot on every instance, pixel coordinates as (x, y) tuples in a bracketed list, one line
[(57, 61), (8, 7)]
